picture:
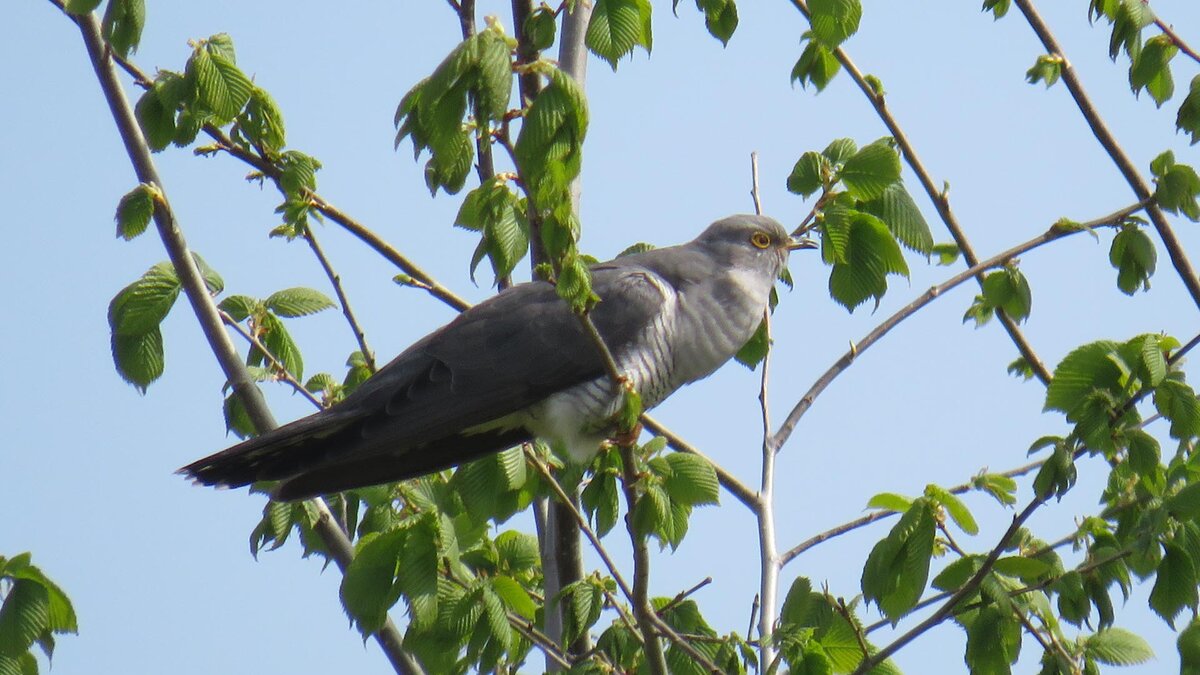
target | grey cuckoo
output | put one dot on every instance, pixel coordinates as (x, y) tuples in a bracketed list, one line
[(519, 365)]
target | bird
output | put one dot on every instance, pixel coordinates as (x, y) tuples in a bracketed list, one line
[(520, 366)]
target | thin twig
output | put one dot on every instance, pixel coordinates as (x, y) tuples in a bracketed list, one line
[(1108, 141), (335, 280), (335, 541), (1176, 40), (683, 595), (753, 616), (281, 371), (754, 194), (940, 199), (1052, 234), (862, 521), (768, 551)]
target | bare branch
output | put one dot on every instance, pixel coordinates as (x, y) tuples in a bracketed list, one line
[(1052, 234), (754, 194), (335, 280), (768, 551)]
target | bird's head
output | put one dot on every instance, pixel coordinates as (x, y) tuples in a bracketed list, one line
[(752, 242)]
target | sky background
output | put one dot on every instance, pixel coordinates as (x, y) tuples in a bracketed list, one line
[(159, 570)]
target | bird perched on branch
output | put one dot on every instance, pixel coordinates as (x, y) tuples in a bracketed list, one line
[(520, 365)]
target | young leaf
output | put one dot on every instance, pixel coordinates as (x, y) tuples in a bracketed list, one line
[(1151, 70), (1118, 647), (871, 170), (1047, 68), (692, 480), (300, 301), (839, 150), (616, 27), (540, 28), (1188, 118), (871, 255), (720, 18), (368, 588), (816, 64), (834, 20), (221, 87), (1177, 402), (1134, 256), (993, 641), (898, 566), (134, 211), (896, 208), (755, 350), (889, 501), (279, 342), (1086, 368), (142, 305), (139, 358), (122, 25), (1189, 648), (1175, 585), (1177, 190), (958, 511), (808, 175)]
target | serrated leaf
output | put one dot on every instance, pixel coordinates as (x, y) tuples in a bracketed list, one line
[(417, 572), (958, 511), (1150, 69), (616, 27), (1185, 504), (1118, 647), (134, 211), (540, 28), (816, 65), (946, 254), (898, 566), (834, 20), (720, 18), (1177, 190), (1134, 256), (808, 174), (870, 171), (142, 305), (993, 641), (1086, 368), (139, 358), (1188, 118), (693, 480), (122, 25), (24, 616), (896, 208), (515, 596), (1175, 584), (221, 88), (1177, 402), (299, 301), (279, 342), (871, 254)]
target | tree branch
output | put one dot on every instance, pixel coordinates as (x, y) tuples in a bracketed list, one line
[(335, 280), (1108, 141), (941, 201), (768, 552), (205, 309), (1052, 234)]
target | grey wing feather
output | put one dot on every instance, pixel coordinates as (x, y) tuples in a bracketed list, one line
[(494, 359)]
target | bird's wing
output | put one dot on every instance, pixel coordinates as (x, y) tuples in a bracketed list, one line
[(494, 359)]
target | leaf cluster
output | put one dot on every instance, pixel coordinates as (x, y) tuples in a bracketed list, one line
[(33, 610)]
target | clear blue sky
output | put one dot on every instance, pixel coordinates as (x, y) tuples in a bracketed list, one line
[(159, 570)]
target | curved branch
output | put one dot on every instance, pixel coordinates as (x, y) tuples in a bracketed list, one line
[(1054, 233)]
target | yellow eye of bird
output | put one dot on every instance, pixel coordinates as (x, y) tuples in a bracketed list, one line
[(760, 239)]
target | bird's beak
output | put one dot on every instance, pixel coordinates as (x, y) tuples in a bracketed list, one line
[(796, 243)]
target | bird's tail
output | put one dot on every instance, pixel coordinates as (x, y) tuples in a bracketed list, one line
[(279, 454)]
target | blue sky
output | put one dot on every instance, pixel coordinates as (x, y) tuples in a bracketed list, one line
[(159, 570)]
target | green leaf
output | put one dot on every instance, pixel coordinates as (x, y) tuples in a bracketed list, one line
[(871, 170), (816, 64), (212, 280), (24, 616), (1025, 569), (497, 618), (261, 123), (221, 87), (299, 301), (157, 107), (1144, 453), (834, 20), (1177, 190), (1007, 289), (1047, 68), (958, 511), (755, 350), (998, 8), (1188, 118), (999, 486), (889, 501), (1175, 585), (898, 566), (1134, 256), (896, 208), (142, 305), (515, 596), (1150, 69), (1117, 647), (237, 418), (839, 150), (808, 175), (616, 27), (720, 18), (1189, 648), (946, 254), (1086, 368), (139, 358), (134, 211), (581, 603), (871, 255), (993, 641), (692, 481), (1177, 402), (123, 24), (279, 342), (417, 571), (548, 149), (1185, 504), (540, 28)]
